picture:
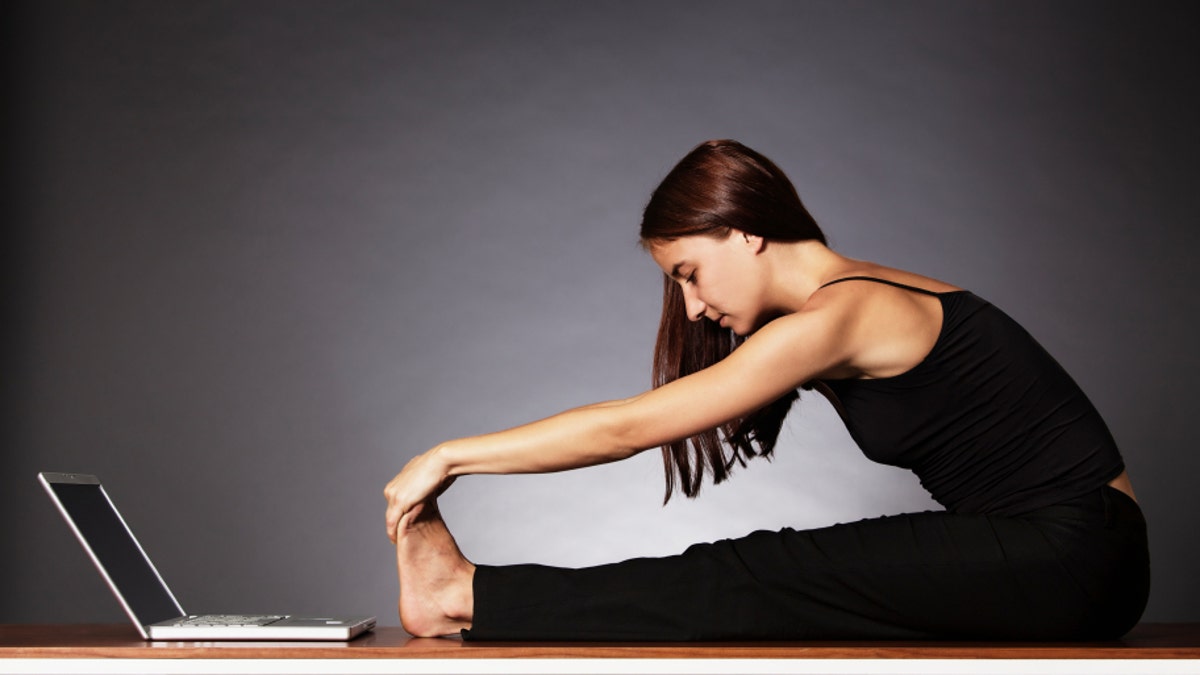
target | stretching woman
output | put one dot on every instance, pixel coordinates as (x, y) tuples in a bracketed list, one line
[(1041, 537)]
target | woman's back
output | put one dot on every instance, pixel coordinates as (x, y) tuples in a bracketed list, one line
[(988, 420)]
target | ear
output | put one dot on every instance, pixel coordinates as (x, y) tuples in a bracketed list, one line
[(756, 243)]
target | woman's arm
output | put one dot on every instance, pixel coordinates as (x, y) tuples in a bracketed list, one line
[(781, 356)]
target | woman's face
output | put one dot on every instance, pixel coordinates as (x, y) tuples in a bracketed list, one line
[(721, 279)]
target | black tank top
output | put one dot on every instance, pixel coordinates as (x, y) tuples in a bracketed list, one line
[(988, 421)]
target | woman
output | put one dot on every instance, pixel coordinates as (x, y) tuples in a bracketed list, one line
[(1041, 537)]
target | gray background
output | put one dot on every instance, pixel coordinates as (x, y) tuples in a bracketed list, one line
[(259, 254)]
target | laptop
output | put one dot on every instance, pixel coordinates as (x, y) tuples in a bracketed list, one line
[(143, 593)]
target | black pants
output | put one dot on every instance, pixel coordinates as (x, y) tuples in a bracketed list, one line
[(1073, 571)]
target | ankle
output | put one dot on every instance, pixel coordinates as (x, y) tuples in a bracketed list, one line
[(459, 597), (445, 609)]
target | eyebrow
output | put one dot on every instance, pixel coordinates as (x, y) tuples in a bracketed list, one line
[(675, 269)]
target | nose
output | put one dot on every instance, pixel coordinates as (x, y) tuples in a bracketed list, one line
[(693, 305)]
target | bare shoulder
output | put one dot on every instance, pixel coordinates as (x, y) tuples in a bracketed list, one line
[(873, 270), (853, 329), (816, 339), (858, 292), (886, 329)]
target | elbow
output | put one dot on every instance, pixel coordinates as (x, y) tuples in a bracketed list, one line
[(626, 433)]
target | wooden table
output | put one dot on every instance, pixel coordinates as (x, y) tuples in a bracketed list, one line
[(1158, 649)]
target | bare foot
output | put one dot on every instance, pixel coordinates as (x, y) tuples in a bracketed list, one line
[(436, 596)]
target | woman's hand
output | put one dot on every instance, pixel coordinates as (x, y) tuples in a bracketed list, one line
[(424, 477)]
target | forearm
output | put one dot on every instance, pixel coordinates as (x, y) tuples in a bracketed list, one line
[(594, 434)]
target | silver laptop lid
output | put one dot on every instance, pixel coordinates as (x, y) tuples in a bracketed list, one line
[(113, 548)]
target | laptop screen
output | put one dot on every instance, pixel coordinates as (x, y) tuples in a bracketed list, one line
[(114, 548)]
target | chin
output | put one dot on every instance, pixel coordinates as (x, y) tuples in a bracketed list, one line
[(728, 325)]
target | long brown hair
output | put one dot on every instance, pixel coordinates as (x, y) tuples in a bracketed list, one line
[(716, 188)]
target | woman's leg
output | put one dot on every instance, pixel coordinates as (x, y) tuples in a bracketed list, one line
[(1073, 571), (436, 596)]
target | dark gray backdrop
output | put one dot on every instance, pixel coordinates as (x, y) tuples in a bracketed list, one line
[(260, 254)]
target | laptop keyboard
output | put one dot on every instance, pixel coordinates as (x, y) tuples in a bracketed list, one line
[(228, 620)]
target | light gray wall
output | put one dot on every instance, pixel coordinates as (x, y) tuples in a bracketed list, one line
[(263, 253)]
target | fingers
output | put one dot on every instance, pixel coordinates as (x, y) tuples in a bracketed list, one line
[(395, 515), (421, 479), (409, 517), (400, 511), (399, 502), (395, 511), (393, 525)]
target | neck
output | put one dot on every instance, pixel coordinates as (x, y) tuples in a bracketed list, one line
[(798, 269)]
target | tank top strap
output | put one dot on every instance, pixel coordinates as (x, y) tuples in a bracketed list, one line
[(883, 281)]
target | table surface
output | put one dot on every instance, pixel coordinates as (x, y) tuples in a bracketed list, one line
[(66, 641)]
